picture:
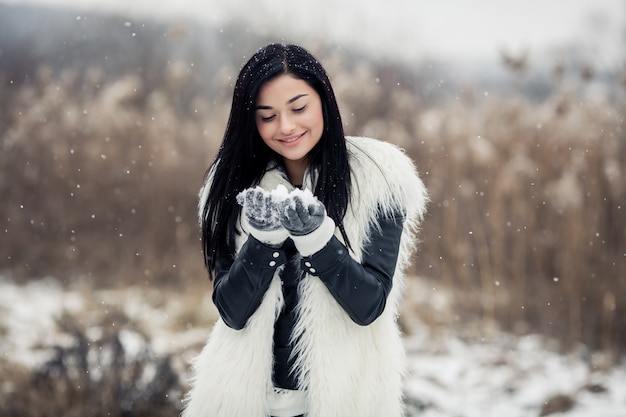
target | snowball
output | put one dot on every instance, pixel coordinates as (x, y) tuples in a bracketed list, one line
[(306, 195), (279, 194)]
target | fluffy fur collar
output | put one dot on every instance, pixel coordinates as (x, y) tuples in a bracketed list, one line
[(347, 370)]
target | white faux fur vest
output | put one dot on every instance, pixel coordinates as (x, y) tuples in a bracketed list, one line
[(348, 370)]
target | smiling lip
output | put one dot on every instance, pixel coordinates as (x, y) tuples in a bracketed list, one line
[(291, 140)]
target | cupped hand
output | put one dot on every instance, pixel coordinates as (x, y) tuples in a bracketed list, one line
[(301, 213), (259, 209)]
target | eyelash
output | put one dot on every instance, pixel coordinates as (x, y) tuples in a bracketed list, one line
[(298, 110)]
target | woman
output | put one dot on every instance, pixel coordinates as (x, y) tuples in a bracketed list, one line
[(306, 233)]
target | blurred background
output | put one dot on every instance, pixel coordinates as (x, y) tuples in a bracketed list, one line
[(110, 113)]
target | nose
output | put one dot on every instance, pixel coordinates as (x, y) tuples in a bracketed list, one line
[(287, 125)]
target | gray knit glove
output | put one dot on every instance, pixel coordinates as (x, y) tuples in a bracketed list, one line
[(301, 213), (259, 209)]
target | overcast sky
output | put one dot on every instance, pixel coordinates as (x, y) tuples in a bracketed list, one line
[(409, 28)]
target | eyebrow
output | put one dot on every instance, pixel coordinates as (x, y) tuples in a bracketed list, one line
[(291, 100)]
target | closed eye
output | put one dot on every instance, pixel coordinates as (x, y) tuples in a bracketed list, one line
[(300, 109), (267, 118)]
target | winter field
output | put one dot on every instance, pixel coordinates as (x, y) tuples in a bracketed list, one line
[(451, 373), (515, 306)]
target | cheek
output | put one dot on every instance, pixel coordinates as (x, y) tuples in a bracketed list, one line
[(263, 129), (319, 120)]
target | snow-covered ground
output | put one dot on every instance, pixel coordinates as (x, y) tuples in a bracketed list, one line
[(509, 376), (450, 376)]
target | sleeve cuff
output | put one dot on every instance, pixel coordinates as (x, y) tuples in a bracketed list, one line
[(313, 242), (269, 237)]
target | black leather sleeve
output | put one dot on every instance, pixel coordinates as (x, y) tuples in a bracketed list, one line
[(240, 284), (360, 288)]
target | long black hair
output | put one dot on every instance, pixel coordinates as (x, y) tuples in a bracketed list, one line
[(243, 157)]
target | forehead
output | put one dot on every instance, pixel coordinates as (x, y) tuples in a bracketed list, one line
[(283, 88)]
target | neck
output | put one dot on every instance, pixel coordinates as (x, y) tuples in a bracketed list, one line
[(295, 171)]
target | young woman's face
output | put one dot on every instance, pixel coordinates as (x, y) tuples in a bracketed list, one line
[(290, 121)]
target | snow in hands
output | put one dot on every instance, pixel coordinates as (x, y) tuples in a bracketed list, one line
[(299, 211)]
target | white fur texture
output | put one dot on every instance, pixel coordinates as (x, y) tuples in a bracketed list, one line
[(347, 370), (236, 363)]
